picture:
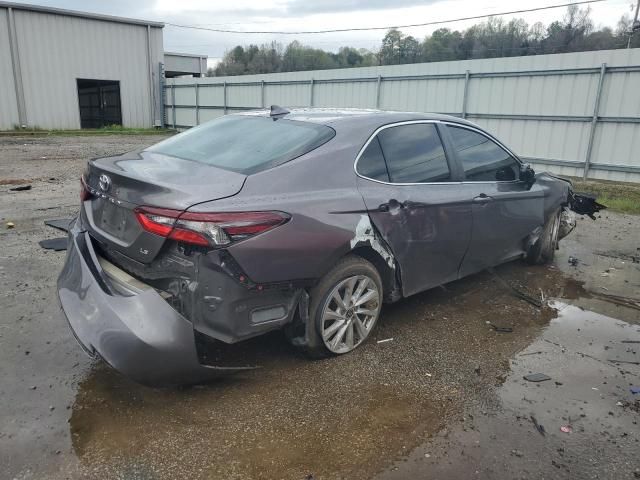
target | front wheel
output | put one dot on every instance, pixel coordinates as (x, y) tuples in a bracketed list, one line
[(345, 306), (545, 247)]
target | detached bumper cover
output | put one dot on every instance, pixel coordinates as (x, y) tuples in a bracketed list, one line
[(140, 334)]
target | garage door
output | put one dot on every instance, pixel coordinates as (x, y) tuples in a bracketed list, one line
[(99, 102)]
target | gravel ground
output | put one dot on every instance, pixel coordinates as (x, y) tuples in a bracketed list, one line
[(443, 399)]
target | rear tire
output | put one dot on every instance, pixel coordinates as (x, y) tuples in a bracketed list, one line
[(344, 308), (545, 247)]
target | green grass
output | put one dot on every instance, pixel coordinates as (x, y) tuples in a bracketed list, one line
[(617, 196), (108, 130)]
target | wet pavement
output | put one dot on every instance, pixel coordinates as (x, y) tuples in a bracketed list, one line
[(588, 413), (444, 398)]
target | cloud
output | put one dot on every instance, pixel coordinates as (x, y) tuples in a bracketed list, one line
[(308, 7)]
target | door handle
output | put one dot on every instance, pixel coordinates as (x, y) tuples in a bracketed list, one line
[(482, 198)]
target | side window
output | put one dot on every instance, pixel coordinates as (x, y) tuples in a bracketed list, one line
[(371, 162), (414, 154), (482, 159)]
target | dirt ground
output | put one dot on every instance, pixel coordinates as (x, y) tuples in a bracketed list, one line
[(444, 397)]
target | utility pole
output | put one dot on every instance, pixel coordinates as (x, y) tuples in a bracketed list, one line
[(635, 25)]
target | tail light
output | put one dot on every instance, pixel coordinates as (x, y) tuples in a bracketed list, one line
[(207, 229), (85, 194)]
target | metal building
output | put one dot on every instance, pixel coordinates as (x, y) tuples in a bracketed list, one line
[(181, 64), (62, 69)]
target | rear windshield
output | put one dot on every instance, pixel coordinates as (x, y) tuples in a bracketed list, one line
[(246, 144)]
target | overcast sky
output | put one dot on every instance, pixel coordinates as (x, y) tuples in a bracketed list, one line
[(295, 15)]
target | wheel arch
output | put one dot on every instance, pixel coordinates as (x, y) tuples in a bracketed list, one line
[(388, 274)]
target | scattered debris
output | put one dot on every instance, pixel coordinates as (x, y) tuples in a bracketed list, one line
[(428, 374), (630, 362), (10, 224), (573, 261), (56, 244), (518, 293), (516, 453), (60, 223), (385, 340), (618, 300), (21, 188), (539, 428), (501, 329), (536, 377), (566, 429), (585, 204)]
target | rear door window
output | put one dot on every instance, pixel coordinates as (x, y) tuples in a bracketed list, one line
[(414, 154), (483, 160), (246, 144)]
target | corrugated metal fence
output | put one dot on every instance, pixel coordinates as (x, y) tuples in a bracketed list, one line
[(575, 114)]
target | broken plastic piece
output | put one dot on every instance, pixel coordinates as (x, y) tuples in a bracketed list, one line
[(585, 204), (536, 377), (630, 362), (21, 188), (573, 261), (56, 244), (501, 329), (539, 428), (276, 111), (10, 224), (634, 390), (566, 429), (385, 340), (518, 293), (60, 223)]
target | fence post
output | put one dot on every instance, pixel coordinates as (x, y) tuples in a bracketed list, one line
[(173, 104), (378, 91), (163, 94), (262, 93), (311, 92), (224, 96), (465, 95), (197, 103), (594, 121)]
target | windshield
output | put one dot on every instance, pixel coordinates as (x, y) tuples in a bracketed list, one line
[(246, 144)]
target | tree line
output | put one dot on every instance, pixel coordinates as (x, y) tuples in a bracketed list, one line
[(575, 32)]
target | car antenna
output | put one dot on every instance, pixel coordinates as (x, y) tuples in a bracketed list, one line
[(276, 112)]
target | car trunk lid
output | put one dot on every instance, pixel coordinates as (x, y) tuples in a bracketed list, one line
[(122, 183)]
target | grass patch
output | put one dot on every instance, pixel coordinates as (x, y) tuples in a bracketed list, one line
[(109, 130), (617, 196)]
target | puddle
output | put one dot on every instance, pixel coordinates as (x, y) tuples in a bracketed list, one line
[(587, 391)]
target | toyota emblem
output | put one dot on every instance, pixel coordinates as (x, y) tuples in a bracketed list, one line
[(104, 182)]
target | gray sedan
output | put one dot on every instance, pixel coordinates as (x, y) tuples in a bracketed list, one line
[(305, 220)]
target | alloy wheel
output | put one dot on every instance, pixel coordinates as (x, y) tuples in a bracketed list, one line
[(350, 313)]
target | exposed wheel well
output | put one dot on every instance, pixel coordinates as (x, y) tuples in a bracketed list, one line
[(390, 283)]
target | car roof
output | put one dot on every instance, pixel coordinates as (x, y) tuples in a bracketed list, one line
[(342, 116)]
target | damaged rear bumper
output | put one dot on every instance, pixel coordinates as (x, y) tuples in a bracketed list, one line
[(131, 327)]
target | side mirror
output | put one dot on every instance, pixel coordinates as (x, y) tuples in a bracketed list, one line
[(527, 175)]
